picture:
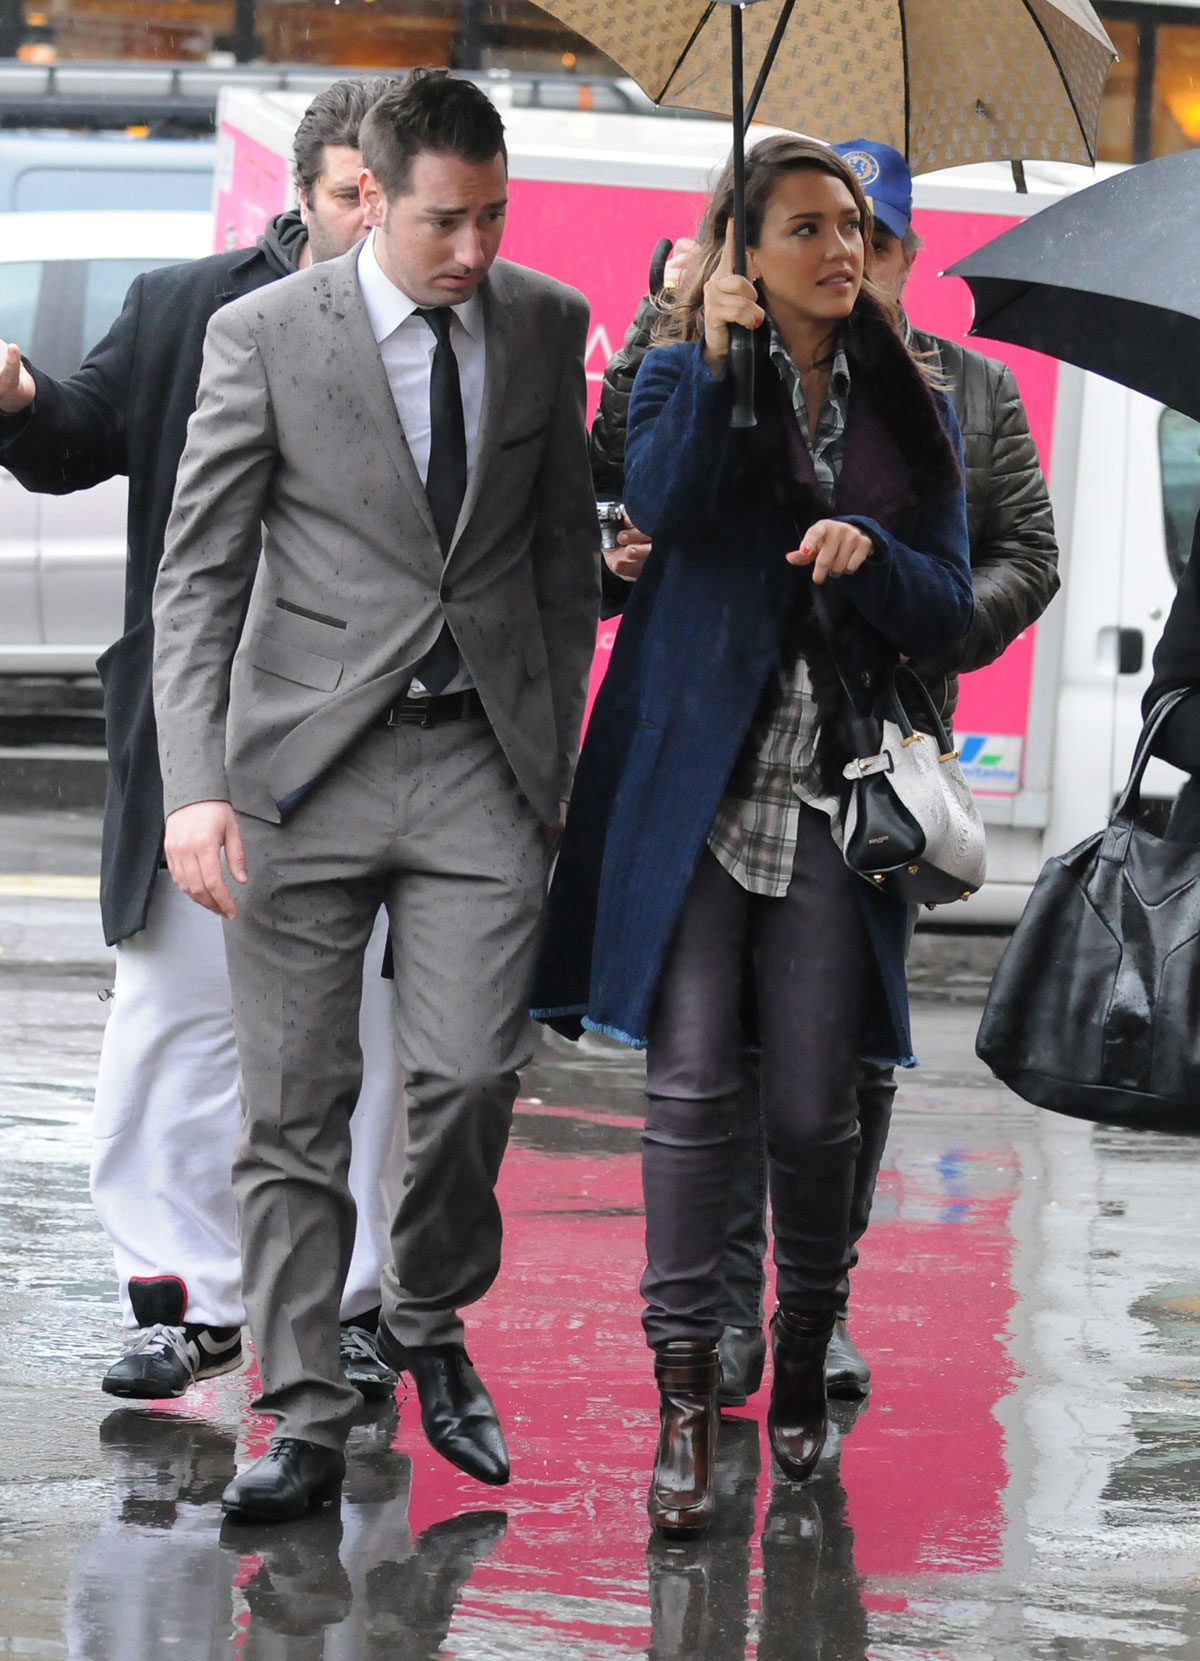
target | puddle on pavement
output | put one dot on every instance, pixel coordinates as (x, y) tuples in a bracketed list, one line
[(1021, 1485)]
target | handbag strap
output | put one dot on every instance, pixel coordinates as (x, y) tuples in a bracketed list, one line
[(1120, 825), (922, 695), (888, 693), (825, 623)]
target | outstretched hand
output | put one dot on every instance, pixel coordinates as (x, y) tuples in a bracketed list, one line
[(833, 549), (727, 299), (16, 383)]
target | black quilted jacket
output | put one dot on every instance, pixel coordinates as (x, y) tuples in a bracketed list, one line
[(1014, 557)]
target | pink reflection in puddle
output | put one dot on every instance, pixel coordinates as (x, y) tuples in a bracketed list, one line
[(559, 1343)]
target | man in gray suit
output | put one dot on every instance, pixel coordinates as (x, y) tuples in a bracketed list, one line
[(384, 708)]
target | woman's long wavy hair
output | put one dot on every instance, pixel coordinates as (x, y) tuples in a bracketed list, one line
[(681, 314)]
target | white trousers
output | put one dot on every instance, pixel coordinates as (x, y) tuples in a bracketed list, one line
[(167, 1116)]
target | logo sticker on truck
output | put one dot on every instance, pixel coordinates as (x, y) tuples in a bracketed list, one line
[(991, 764)]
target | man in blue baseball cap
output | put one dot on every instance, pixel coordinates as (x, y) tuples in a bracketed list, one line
[(887, 184)]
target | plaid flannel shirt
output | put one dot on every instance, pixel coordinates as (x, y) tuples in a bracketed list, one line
[(755, 837)]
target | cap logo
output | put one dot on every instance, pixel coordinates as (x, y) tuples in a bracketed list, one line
[(863, 165)]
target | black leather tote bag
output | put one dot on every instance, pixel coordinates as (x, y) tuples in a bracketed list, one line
[(1094, 1010)]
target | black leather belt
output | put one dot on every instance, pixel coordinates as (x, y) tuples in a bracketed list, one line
[(433, 712)]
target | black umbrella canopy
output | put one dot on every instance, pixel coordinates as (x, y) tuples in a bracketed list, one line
[(1108, 278)]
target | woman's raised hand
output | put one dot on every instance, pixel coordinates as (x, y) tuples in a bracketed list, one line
[(727, 299), (833, 549)]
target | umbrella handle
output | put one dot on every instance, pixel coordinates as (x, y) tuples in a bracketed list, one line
[(658, 264), (741, 367)]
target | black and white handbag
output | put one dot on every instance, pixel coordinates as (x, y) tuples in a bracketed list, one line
[(910, 823)]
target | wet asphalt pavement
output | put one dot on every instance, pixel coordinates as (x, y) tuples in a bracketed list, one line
[(1024, 1482)]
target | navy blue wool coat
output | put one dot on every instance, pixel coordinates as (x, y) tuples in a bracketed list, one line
[(703, 633)]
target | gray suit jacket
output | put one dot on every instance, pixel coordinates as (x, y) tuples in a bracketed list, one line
[(267, 669)]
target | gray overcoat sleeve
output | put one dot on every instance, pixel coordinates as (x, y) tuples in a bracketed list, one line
[(213, 541)]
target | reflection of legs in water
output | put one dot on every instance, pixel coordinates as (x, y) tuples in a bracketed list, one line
[(410, 1605), (153, 1578), (812, 1605), (360, 1571), (300, 1587), (791, 1553), (313, 1572), (376, 1473), (699, 1591), (165, 1459)]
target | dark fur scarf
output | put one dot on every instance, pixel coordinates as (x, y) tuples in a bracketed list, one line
[(896, 453)]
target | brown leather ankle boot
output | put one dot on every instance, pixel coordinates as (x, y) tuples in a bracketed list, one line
[(797, 1417), (681, 1501)]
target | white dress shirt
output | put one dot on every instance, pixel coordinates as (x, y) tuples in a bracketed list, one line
[(406, 347), (407, 344)]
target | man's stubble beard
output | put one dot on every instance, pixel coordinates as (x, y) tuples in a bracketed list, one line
[(321, 245)]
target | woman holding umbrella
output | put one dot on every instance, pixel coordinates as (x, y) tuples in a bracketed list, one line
[(700, 899)]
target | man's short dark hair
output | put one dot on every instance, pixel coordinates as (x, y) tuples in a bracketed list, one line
[(429, 110), (334, 117)]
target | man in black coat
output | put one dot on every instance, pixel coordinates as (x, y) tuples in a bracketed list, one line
[(1014, 572), (166, 1098)]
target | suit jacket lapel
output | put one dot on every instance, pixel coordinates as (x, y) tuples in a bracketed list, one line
[(363, 362), (497, 323)]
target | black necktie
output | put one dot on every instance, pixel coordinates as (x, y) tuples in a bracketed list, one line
[(445, 479)]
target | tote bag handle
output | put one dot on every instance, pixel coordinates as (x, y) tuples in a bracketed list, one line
[(1124, 815)]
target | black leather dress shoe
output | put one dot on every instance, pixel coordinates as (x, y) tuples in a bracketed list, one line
[(742, 1349), (847, 1375), (291, 1479), (457, 1414)]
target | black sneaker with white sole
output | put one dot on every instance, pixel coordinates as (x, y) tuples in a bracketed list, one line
[(164, 1354), (358, 1351)]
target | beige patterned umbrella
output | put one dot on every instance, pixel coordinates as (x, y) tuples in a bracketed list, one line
[(943, 81)]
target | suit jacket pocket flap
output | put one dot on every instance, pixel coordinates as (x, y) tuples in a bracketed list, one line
[(525, 438), (291, 664)]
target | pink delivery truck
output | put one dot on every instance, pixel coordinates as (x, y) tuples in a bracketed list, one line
[(1045, 733)]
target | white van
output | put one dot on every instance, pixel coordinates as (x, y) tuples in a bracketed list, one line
[(63, 278)]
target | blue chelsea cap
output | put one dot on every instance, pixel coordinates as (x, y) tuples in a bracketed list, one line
[(885, 179)]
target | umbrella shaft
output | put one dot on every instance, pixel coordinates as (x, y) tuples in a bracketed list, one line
[(768, 63), (739, 147), (741, 350)]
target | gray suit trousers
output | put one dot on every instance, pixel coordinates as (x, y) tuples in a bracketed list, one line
[(430, 823)]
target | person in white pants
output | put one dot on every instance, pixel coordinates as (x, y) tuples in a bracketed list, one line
[(166, 1120)]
